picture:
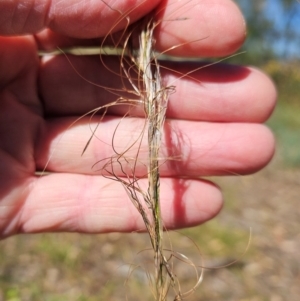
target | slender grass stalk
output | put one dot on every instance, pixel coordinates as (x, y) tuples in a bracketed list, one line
[(140, 67), (154, 97), (155, 101)]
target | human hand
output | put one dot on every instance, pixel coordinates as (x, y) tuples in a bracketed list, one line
[(214, 118)]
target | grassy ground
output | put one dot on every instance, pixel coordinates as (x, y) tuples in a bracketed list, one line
[(67, 267)]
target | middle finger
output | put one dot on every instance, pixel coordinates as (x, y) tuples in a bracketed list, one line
[(216, 93)]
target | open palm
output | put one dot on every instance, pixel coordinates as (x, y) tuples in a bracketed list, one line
[(214, 118)]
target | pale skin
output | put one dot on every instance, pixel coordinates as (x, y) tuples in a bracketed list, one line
[(219, 115)]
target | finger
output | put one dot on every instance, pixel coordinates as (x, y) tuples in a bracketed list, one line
[(188, 148), (203, 27), (220, 92), (81, 19), (18, 73), (185, 28), (90, 204)]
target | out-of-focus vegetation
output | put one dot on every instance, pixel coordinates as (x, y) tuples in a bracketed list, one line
[(285, 121), (272, 30), (273, 44)]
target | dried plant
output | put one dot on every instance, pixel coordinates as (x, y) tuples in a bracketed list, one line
[(147, 85), (142, 86), (154, 97), (140, 67)]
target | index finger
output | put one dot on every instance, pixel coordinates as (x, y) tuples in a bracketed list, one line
[(185, 28)]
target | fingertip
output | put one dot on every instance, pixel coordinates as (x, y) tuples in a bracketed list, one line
[(232, 31), (265, 91), (200, 28), (259, 151), (195, 202), (265, 148), (211, 202)]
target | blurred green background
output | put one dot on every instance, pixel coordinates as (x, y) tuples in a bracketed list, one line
[(67, 267)]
